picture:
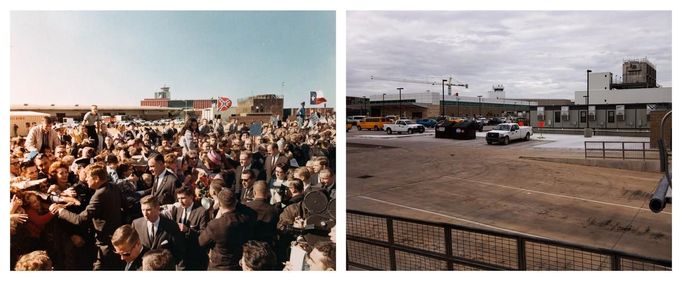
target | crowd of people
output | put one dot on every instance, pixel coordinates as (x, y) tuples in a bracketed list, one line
[(203, 195)]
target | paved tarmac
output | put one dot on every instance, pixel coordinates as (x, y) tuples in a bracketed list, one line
[(471, 183)]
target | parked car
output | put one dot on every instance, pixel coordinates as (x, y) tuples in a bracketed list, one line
[(404, 125), (372, 123), (427, 122), (496, 121), (507, 132)]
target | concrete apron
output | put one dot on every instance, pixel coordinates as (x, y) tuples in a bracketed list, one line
[(636, 165)]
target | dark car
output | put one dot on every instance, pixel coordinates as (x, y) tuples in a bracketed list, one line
[(495, 121), (427, 122), (463, 130)]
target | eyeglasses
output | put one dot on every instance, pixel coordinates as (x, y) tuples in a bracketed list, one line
[(246, 180)]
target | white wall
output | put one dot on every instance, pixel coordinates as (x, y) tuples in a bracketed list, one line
[(626, 96), (600, 81)]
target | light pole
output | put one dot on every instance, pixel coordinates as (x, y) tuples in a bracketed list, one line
[(607, 111), (479, 104), (400, 102), (383, 104), (588, 133), (458, 106), (443, 102)]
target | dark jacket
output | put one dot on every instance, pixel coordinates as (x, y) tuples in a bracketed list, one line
[(104, 211), (226, 235), (196, 257), (266, 225), (270, 168), (165, 192), (168, 236)]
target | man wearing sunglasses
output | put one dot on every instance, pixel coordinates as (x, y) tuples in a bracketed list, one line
[(127, 245)]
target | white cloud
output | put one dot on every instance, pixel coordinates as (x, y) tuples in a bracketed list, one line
[(534, 54)]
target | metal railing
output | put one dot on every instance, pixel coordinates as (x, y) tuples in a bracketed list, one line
[(626, 150), (383, 242)]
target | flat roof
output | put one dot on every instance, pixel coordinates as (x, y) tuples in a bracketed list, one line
[(26, 113), (78, 107)]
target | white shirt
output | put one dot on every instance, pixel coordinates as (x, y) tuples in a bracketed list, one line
[(160, 178), (186, 213), (156, 227)]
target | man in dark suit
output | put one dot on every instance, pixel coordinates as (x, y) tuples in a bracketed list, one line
[(327, 183), (245, 163), (157, 232), (127, 245), (165, 182), (191, 218), (227, 234), (247, 179), (268, 215), (274, 158), (104, 210)]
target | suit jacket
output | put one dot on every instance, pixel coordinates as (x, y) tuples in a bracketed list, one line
[(136, 264), (196, 257), (330, 190), (165, 192), (238, 176), (266, 224), (168, 236), (270, 168), (226, 236), (34, 139), (104, 211)]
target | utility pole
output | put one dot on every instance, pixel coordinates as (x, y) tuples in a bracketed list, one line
[(400, 102), (442, 113), (588, 132), (383, 104), (479, 104)]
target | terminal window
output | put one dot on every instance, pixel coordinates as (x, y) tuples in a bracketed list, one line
[(611, 116)]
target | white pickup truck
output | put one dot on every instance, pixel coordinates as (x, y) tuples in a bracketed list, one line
[(403, 125), (506, 132)]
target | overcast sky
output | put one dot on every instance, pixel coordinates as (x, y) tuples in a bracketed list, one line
[(121, 57), (533, 54)]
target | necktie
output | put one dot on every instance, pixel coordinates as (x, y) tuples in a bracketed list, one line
[(184, 216), (46, 139), (151, 235)]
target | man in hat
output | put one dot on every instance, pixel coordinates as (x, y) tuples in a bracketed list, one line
[(301, 114), (42, 136)]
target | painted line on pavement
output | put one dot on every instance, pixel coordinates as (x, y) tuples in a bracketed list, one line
[(555, 195), (451, 217)]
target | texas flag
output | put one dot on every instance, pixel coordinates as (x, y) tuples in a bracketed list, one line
[(316, 97)]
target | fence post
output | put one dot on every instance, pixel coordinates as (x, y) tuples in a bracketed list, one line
[(586, 149), (622, 147), (448, 246), (615, 262), (391, 249), (643, 151), (521, 252), (603, 150)]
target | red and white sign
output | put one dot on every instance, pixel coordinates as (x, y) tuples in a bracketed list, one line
[(224, 103)]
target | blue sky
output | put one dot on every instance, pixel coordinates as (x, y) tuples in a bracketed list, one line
[(119, 58)]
